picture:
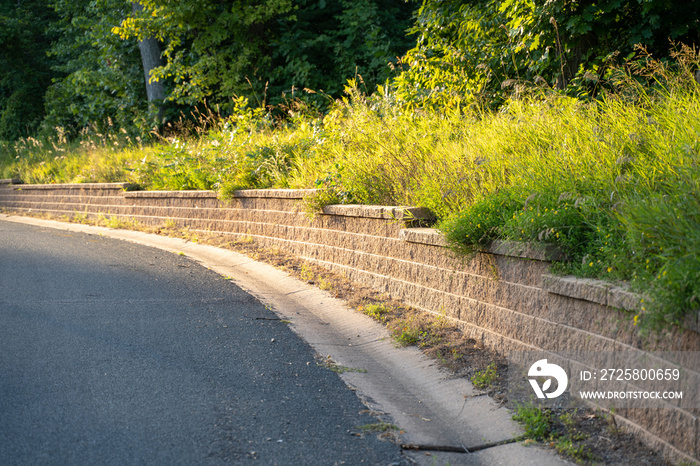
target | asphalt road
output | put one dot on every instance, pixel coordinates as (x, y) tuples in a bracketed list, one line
[(114, 353)]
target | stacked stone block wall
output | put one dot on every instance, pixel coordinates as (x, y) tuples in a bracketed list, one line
[(505, 298)]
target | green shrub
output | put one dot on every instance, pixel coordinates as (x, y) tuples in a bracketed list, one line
[(536, 421), (378, 312), (484, 379)]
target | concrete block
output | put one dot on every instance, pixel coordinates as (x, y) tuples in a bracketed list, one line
[(692, 321), (398, 214), (535, 251), (595, 291), (673, 425), (5, 182), (258, 203), (429, 236), (275, 193), (170, 195), (623, 299)]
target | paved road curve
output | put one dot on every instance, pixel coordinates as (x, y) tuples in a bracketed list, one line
[(113, 353)]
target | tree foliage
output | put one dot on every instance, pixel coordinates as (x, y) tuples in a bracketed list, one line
[(209, 45), (75, 64), (217, 50), (476, 49), (25, 68), (101, 82), (327, 42)]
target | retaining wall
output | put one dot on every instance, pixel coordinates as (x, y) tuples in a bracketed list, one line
[(505, 298)]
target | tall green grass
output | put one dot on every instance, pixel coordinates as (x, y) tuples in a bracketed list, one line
[(614, 182), (245, 150)]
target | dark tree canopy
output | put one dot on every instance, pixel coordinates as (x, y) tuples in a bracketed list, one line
[(101, 80), (212, 52), (75, 64), (25, 69), (216, 50), (475, 48)]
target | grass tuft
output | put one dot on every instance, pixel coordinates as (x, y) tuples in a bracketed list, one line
[(486, 378)]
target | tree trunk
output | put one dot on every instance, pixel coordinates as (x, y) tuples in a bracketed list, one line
[(151, 58)]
